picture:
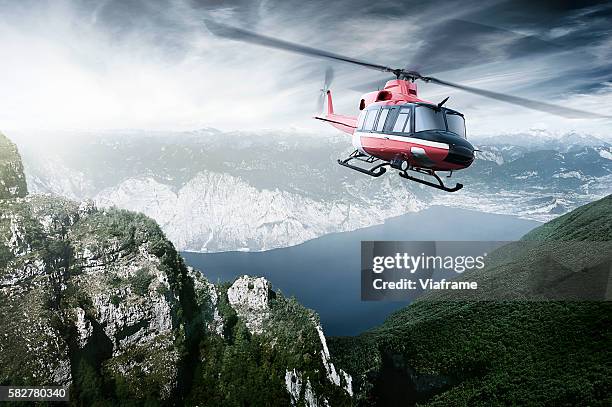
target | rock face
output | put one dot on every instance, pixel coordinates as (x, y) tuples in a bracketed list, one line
[(249, 297), (12, 178), (255, 303), (99, 300), (94, 293)]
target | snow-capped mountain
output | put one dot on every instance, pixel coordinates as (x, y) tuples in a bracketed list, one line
[(216, 191)]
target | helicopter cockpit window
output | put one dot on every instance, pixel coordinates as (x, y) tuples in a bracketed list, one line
[(456, 123), (369, 120), (402, 124), (381, 120), (428, 119)]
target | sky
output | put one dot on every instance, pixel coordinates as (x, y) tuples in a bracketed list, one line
[(140, 64)]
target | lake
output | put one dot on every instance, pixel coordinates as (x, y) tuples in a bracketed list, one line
[(324, 273)]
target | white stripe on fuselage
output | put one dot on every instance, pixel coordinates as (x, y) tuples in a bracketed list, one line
[(405, 139)]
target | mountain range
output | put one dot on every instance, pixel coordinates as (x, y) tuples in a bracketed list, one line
[(219, 191)]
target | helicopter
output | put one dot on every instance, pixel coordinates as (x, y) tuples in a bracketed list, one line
[(394, 127)]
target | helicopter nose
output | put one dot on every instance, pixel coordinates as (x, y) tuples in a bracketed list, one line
[(460, 154)]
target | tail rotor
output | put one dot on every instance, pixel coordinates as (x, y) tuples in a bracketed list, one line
[(329, 77)]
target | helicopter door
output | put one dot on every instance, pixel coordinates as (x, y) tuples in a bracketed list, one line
[(385, 127), (370, 141)]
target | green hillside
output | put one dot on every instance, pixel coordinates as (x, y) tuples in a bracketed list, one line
[(591, 222), (440, 352)]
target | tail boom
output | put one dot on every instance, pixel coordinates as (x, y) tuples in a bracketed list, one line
[(347, 124)]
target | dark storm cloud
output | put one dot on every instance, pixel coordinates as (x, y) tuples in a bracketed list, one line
[(446, 33), (448, 36), (539, 49), (455, 44), (443, 35)]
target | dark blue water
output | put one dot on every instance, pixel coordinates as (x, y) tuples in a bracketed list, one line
[(324, 273)]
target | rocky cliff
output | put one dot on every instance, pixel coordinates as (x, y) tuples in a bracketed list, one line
[(12, 179), (99, 300)]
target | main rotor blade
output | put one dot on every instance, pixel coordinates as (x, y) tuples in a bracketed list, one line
[(562, 111), (239, 34), (449, 46)]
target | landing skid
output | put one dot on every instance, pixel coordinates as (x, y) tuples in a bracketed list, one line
[(439, 185), (375, 171), (379, 169)]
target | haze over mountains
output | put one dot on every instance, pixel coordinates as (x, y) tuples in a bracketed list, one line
[(216, 191)]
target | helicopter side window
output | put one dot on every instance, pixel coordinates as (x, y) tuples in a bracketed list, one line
[(402, 124), (370, 119), (381, 119), (429, 119), (361, 119)]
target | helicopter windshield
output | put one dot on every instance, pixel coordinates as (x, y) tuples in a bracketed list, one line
[(428, 119), (456, 123)]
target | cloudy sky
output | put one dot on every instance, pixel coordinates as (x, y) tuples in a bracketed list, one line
[(117, 64)]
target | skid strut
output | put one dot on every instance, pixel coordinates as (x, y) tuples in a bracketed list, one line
[(375, 171), (439, 185), (379, 169)]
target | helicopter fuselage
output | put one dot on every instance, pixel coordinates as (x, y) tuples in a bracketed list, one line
[(396, 126), (395, 135)]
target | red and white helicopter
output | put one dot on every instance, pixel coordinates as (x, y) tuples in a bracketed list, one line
[(395, 128)]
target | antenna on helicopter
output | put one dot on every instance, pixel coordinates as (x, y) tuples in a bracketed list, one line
[(443, 102)]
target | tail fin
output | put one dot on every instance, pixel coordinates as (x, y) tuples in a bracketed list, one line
[(344, 123), (330, 106)]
